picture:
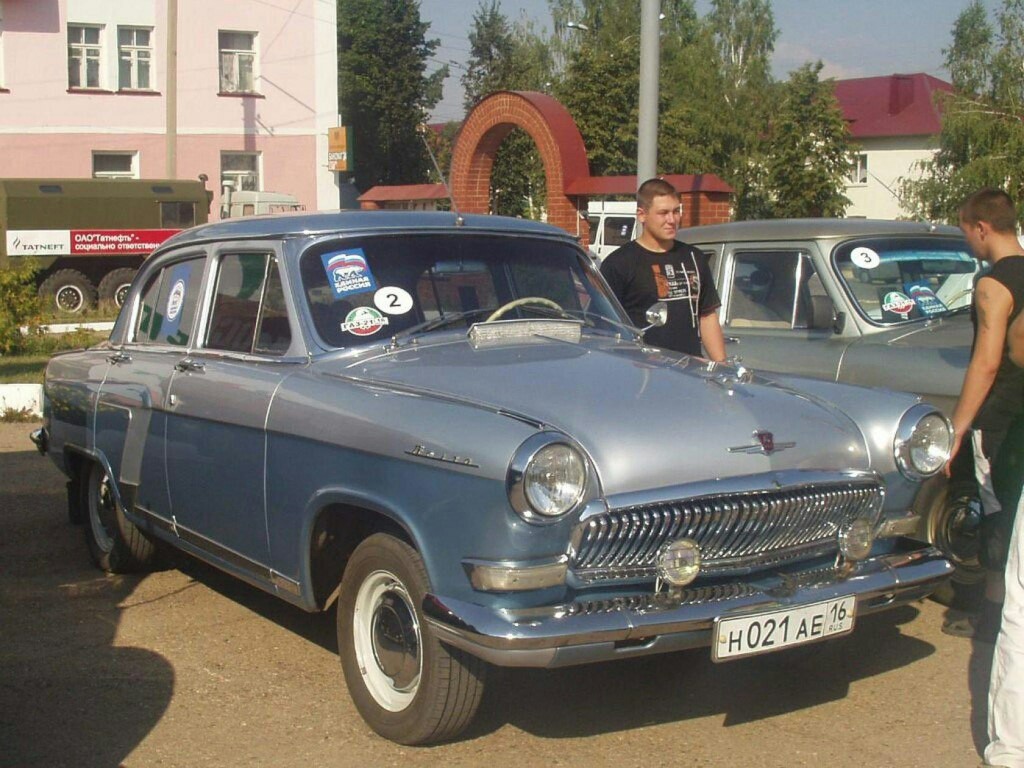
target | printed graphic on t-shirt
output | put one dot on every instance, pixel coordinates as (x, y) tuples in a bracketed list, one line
[(675, 283)]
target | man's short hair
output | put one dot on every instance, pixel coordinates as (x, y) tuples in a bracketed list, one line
[(651, 189), (993, 206)]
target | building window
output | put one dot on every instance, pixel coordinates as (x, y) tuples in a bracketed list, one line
[(858, 169), (83, 56), (240, 171), (134, 58), (115, 165), (237, 62)]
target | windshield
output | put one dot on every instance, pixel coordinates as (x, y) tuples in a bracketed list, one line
[(377, 287), (894, 280)]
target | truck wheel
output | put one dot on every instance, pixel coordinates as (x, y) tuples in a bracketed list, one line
[(115, 284), (407, 686), (69, 291), (115, 544)]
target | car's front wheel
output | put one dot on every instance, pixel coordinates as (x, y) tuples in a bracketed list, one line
[(116, 545), (408, 686)]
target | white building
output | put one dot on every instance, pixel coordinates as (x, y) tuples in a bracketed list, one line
[(895, 120)]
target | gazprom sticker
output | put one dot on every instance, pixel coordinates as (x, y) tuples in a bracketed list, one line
[(898, 303), (363, 321), (348, 272), (865, 258)]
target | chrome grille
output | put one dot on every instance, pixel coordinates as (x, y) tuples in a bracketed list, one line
[(736, 532)]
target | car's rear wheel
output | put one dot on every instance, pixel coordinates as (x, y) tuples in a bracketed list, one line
[(408, 686), (116, 545)]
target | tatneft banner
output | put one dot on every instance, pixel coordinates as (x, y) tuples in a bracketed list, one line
[(85, 242)]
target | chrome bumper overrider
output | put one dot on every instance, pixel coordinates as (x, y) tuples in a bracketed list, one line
[(585, 632)]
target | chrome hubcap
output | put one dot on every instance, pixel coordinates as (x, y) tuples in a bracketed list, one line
[(387, 641), (102, 509)]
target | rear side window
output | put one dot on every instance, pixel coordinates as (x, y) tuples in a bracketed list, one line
[(249, 312), (169, 304)]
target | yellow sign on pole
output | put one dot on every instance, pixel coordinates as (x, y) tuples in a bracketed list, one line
[(337, 149)]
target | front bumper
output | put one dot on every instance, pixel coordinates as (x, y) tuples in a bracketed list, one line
[(585, 632)]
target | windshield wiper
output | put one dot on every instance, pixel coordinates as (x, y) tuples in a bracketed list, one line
[(440, 322)]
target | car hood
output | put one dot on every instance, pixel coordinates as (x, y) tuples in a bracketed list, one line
[(647, 419)]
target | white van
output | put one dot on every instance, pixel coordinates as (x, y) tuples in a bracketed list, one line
[(611, 224)]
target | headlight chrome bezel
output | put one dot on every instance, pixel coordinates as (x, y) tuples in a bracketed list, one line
[(903, 443), (518, 472)]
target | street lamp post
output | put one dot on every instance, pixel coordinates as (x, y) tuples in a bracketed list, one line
[(650, 54)]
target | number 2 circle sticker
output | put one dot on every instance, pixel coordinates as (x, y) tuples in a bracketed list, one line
[(393, 300), (865, 258)]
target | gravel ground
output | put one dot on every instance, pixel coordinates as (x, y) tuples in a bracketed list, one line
[(187, 667)]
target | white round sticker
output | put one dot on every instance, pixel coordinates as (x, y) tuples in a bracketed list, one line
[(175, 299), (393, 300), (865, 257)]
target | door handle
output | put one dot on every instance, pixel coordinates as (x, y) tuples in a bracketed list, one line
[(732, 340), (188, 365), (119, 357)]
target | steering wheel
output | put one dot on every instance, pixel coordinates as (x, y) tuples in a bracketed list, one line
[(525, 300)]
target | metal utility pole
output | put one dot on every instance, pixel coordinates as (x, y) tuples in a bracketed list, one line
[(650, 54), (171, 125)]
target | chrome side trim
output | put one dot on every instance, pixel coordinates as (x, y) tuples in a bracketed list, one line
[(586, 631), (212, 549)]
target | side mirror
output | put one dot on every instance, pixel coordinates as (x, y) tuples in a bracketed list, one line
[(657, 316)]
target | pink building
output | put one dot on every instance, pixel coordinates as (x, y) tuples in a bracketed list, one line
[(84, 91)]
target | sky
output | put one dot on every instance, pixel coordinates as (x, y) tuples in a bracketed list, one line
[(852, 38)]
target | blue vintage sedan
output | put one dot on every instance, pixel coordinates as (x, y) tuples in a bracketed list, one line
[(445, 426)]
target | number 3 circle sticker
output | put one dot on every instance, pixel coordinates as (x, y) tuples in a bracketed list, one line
[(393, 300), (865, 258)]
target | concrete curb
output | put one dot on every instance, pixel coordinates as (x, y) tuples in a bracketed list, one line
[(106, 325), (21, 397)]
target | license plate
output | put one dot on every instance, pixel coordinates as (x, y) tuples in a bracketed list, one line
[(773, 630)]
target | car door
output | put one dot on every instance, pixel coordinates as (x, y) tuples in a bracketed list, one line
[(130, 412), (778, 314), (218, 401)]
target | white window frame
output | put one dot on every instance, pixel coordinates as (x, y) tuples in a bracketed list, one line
[(858, 175), (230, 63), (134, 53), (133, 164), (235, 177), (87, 51)]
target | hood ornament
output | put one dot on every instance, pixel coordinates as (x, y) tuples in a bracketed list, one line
[(766, 444)]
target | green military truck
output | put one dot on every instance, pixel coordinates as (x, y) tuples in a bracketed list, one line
[(86, 237)]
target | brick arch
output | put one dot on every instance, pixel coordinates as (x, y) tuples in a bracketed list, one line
[(552, 129)]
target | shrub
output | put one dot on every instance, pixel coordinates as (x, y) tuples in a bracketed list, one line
[(19, 306)]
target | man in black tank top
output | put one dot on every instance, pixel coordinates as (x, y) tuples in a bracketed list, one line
[(993, 388)]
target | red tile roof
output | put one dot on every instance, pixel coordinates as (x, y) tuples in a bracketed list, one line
[(383, 193), (894, 105), (626, 185)]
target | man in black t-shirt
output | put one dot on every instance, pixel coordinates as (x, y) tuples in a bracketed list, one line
[(993, 390), (657, 267)]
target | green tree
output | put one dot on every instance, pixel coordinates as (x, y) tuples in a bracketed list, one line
[(981, 143), (505, 56), (808, 154), (384, 89)]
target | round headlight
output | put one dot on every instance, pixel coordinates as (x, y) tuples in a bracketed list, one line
[(855, 540), (679, 562), (554, 479), (923, 442)]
